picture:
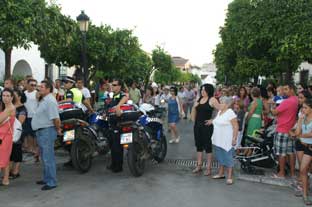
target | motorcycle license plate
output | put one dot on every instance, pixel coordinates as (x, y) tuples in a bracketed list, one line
[(126, 138), (69, 135)]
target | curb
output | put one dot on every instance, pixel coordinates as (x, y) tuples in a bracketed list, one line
[(265, 180)]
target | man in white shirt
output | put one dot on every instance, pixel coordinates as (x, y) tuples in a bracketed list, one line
[(31, 105), (86, 94)]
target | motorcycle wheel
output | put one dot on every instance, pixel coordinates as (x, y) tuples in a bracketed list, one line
[(81, 153), (160, 157), (135, 159)]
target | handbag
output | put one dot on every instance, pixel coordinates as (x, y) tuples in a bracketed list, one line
[(17, 130)]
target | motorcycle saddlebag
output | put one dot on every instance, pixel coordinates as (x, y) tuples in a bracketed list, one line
[(68, 110), (128, 114)]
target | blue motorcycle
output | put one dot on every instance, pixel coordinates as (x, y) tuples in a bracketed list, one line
[(145, 139), (90, 140)]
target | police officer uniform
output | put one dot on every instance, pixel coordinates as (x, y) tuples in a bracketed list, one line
[(74, 93), (116, 147)]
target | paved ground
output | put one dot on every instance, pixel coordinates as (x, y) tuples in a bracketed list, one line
[(164, 184)]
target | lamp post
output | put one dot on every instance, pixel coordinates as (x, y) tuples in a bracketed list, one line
[(83, 20)]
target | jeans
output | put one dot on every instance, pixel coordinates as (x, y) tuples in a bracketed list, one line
[(188, 107), (45, 140)]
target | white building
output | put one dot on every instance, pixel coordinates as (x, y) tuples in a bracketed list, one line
[(207, 73), (24, 62), (28, 62)]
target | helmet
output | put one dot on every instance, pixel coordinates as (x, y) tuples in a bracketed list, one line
[(144, 108)]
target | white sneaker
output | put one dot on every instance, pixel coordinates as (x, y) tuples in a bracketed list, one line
[(171, 141), (177, 140)]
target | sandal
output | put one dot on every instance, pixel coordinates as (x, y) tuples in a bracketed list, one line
[(218, 176), (229, 181), (307, 200), (198, 168), (207, 172), (14, 176)]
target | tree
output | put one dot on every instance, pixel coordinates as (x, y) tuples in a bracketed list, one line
[(19, 26), (56, 39), (264, 38), (165, 71)]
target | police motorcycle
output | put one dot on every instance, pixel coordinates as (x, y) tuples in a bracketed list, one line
[(72, 117), (93, 139), (144, 139)]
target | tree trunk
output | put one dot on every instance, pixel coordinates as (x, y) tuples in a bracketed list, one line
[(256, 78), (7, 53), (46, 71), (289, 78)]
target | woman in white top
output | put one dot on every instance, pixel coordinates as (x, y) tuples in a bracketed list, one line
[(224, 139)]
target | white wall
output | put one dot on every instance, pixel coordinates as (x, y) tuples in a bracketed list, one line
[(31, 56)]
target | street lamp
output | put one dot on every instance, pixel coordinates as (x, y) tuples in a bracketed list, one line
[(83, 20)]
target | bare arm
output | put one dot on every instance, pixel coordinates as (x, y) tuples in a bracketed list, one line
[(234, 123), (252, 110), (87, 103), (121, 102), (298, 128), (22, 118), (274, 112), (266, 108), (194, 113), (215, 103), (57, 124), (6, 114)]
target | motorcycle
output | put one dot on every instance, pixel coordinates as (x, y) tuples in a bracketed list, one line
[(90, 140), (72, 119), (143, 139)]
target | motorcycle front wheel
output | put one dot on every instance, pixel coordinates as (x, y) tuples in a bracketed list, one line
[(81, 153), (162, 150)]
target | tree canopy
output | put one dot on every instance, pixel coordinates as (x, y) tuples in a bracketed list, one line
[(263, 38), (20, 21)]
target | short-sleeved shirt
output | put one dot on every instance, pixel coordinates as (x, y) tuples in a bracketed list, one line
[(287, 113), (20, 111), (31, 103), (85, 92), (305, 129), (47, 111), (135, 95), (70, 94), (116, 99), (223, 130)]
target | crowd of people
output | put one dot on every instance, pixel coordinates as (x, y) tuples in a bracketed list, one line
[(221, 119), (244, 111)]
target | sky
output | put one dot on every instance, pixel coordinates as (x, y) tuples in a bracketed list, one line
[(185, 28)]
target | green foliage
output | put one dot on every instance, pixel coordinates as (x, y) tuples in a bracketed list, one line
[(20, 22), (264, 38), (169, 77)]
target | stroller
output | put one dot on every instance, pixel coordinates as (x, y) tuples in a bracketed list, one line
[(260, 150)]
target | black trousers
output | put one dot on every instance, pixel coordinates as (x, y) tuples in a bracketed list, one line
[(202, 135), (116, 151)]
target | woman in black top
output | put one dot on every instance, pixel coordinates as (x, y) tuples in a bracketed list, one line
[(203, 128), (17, 154)]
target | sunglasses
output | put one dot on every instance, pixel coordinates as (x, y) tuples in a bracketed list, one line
[(33, 85), (114, 85)]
